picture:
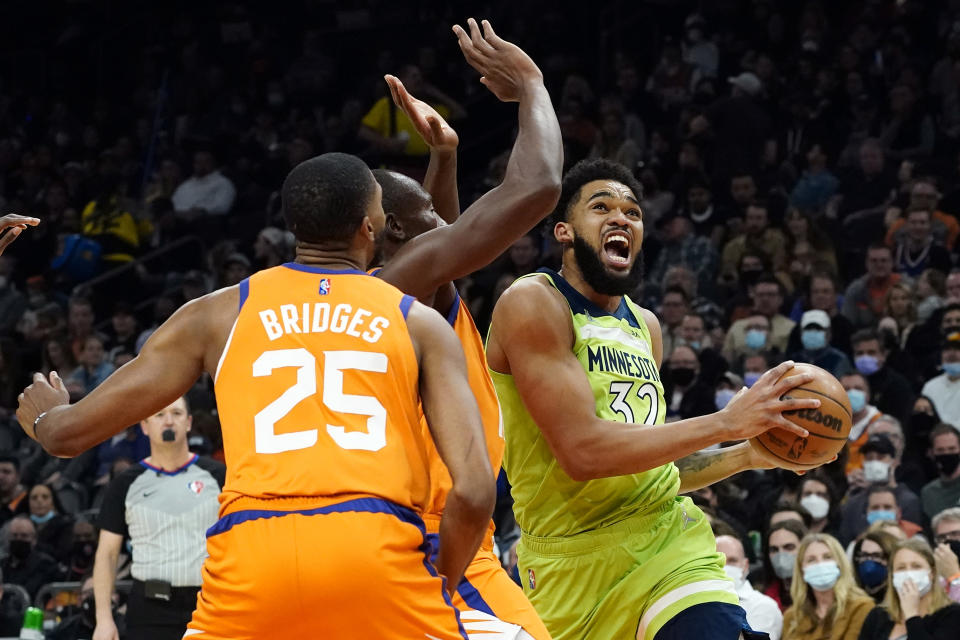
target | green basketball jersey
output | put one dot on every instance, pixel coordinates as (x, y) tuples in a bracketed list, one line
[(615, 352)]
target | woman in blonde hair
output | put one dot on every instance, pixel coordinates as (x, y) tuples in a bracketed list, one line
[(916, 606), (827, 603)]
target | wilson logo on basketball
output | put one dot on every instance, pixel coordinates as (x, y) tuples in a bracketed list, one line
[(818, 417)]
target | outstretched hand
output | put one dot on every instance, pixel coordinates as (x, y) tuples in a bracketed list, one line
[(41, 396), (760, 408), (431, 126), (13, 224), (504, 67)]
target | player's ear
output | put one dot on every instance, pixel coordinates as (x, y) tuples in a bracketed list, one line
[(563, 232), (367, 229), (394, 229)]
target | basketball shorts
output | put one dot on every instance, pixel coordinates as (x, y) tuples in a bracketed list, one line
[(492, 606), (626, 580), (353, 569)]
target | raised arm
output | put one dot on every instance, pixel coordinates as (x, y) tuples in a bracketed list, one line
[(532, 332), (168, 365), (441, 179), (454, 420), (530, 188)]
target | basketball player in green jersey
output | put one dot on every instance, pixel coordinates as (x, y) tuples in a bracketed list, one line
[(609, 551)]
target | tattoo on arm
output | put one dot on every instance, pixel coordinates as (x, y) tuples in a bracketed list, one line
[(697, 461)]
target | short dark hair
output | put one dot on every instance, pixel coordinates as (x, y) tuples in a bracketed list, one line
[(11, 459), (675, 288), (791, 505), (587, 171), (942, 429), (866, 335), (325, 198), (879, 246), (953, 306), (769, 278), (398, 190), (883, 488)]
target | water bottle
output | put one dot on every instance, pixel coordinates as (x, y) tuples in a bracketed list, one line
[(32, 628)]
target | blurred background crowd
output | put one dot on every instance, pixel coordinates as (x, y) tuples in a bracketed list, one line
[(801, 173)]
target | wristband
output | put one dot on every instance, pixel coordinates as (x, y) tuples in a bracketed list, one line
[(35, 423)]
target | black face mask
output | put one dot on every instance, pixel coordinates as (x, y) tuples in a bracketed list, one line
[(749, 278), (682, 376), (955, 547), (20, 549), (597, 276), (84, 550), (947, 463), (921, 424), (169, 435)]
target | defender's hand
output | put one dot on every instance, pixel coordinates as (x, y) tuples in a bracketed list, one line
[(505, 68), (14, 224), (760, 408), (431, 126), (39, 397)]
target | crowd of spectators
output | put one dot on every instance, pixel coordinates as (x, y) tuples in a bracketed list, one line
[(801, 173)]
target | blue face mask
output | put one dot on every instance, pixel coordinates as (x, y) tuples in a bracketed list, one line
[(695, 345), (881, 516), (813, 339), (44, 518), (821, 576), (952, 369), (750, 378), (867, 365), (723, 397), (755, 339), (858, 400), (872, 573)]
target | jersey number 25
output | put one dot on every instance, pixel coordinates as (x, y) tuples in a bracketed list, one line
[(266, 438)]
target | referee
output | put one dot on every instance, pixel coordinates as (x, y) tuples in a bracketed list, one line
[(164, 505)]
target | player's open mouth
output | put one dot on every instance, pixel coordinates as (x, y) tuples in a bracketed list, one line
[(616, 249)]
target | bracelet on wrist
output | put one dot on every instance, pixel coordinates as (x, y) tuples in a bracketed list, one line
[(36, 422)]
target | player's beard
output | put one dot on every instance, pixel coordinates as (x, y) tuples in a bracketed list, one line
[(599, 278)]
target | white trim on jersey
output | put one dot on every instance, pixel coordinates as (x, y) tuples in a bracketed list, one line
[(484, 626), (614, 334), (226, 348), (678, 594)]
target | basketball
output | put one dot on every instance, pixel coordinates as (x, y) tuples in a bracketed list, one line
[(829, 425)]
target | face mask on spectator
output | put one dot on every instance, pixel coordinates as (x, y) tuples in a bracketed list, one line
[(821, 576), (723, 397), (881, 515), (818, 506), (47, 517), (693, 344), (750, 378), (876, 471), (952, 369), (947, 463), (682, 375), (83, 549), (872, 574), (813, 339), (867, 365), (919, 577), (782, 563), (922, 423), (20, 549), (735, 573), (755, 339), (858, 400)]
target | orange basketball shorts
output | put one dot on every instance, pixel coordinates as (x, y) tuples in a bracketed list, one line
[(353, 569)]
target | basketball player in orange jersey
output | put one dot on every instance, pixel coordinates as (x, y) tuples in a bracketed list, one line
[(320, 371), (426, 245)]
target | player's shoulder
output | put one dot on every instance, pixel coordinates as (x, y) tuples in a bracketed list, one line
[(532, 295), (533, 308)]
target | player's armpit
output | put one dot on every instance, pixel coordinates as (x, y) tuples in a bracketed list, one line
[(454, 421), (168, 364)]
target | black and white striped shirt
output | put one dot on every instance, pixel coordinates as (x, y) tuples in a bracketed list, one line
[(165, 514)]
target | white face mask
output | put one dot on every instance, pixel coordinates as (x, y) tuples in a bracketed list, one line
[(735, 573), (816, 505), (919, 577), (876, 471)]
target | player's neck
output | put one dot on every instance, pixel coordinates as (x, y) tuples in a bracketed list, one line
[(572, 274), (334, 255), (169, 457)]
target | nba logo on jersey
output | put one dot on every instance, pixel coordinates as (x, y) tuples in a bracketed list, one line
[(196, 486), (532, 578), (324, 286)]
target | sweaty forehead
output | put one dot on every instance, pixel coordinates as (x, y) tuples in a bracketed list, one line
[(608, 189)]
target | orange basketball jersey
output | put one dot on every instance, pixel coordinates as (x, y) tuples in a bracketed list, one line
[(317, 390), (482, 387)]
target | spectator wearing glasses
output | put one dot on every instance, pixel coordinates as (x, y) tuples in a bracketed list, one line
[(946, 535), (871, 560)]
